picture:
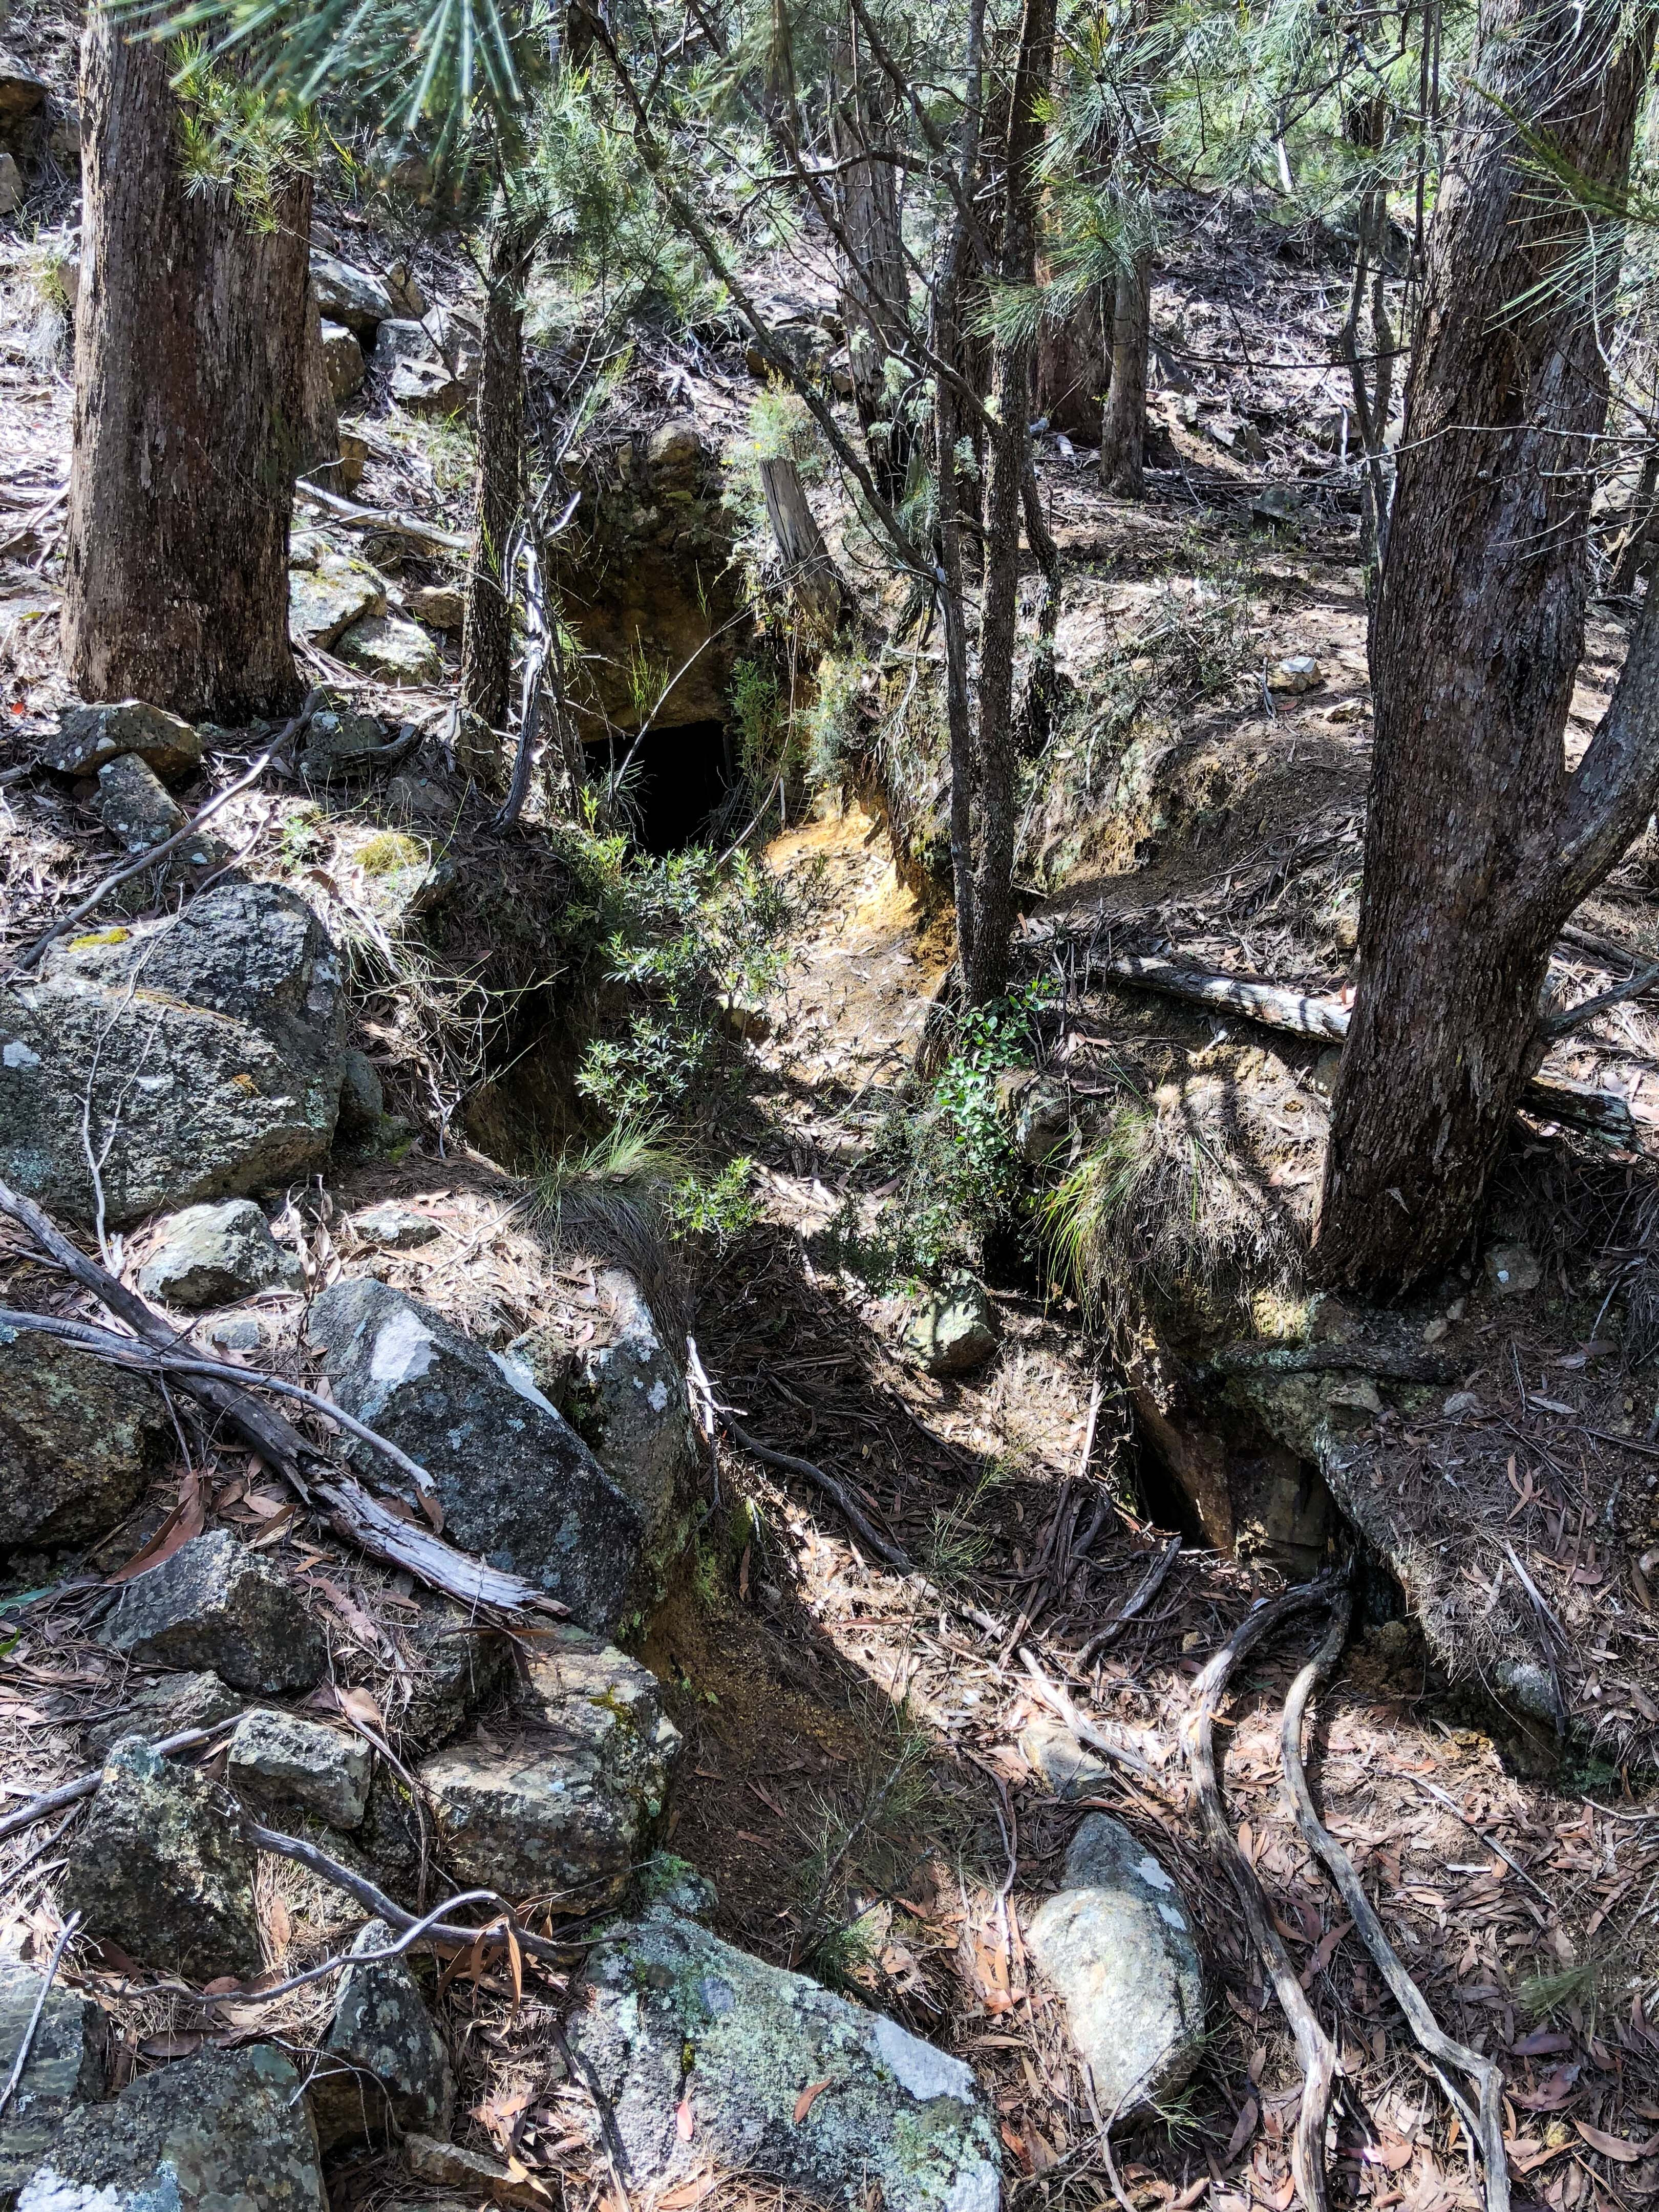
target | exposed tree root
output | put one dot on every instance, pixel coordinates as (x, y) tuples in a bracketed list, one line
[(1440, 2046), (1138, 1603), (1314, 2047)]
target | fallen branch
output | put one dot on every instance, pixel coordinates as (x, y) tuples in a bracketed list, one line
[(431, 1925), (86, 1785), (1138, 1601), (1563, 1019), (375, 1900), (1440, 2046), (1314, 2047), (1053, 1696), (27, 2044), (351, 1510), (155, 853), (395, 522), (1603, 1113)]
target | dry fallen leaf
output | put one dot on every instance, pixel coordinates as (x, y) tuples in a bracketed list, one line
[(1243, 2130), (807, 2097), (685, 2120), (1613, 2147)]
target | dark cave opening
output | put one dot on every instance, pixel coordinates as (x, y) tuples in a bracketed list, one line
[(679, 779)]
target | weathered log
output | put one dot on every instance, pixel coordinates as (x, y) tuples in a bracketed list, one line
[(1276, 1006)]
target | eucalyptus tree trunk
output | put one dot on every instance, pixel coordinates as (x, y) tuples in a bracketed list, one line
[(985, 971), (189, 412), (875, 278), (1073, 366), (1478, 841), (1123, 423), (487, 625)]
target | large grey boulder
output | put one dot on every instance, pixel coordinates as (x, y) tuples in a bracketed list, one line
[(392, 648), (286, 1760), (383, 2064), (209, 1255), (639, 1414), (225, 2132), (516, 1482), (349, 294), (328, 590), (209, 1043), (164, 1707), (216, 1604), (1116, 1943), (953, 1330), (565, 1808), (65, 2068), (87, 737), (161, 1867), (80, 1441), (666, 2012)]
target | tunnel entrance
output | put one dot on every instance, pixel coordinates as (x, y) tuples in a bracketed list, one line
[(679, 780)]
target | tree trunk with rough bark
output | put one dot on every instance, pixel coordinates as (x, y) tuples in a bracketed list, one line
[(986, 970), (1478, 841), (1073, 368), (1123, 427), (487, 626), (190, 414), (807, 567), (875, 278)]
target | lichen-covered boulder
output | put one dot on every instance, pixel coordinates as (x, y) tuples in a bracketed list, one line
[(161, 1867), (395, 1228), (283, 1759), (135, 806), (668, 2014), (210, 1040), (563, 1810), (80, 1441), (209, 1255), (225, 2132), (516, 1482), (328, 590), (383, 2064), (215, 1604), (87, 737), (347, 295), (340, 743), (164, 1707), (636, 1408), (953, 1330), (1116, 1942), (343, 359), (457, 1665), (392, 649), (65, 2068)]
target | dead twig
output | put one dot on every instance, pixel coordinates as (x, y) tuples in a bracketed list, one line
[(29, 2033), (1314, 2047), (86, 1785), (428, 1925), (155, 853), (1440, 2046), (376, 1901), (1084, 1730), (1154, 1581)]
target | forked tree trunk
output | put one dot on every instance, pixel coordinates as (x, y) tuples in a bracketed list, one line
[(1123, 428), (487, 625), (1479, 843), (189, 413), (986, 970)]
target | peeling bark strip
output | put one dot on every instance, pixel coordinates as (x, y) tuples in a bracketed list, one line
[(1479, 843), (189, 413)]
